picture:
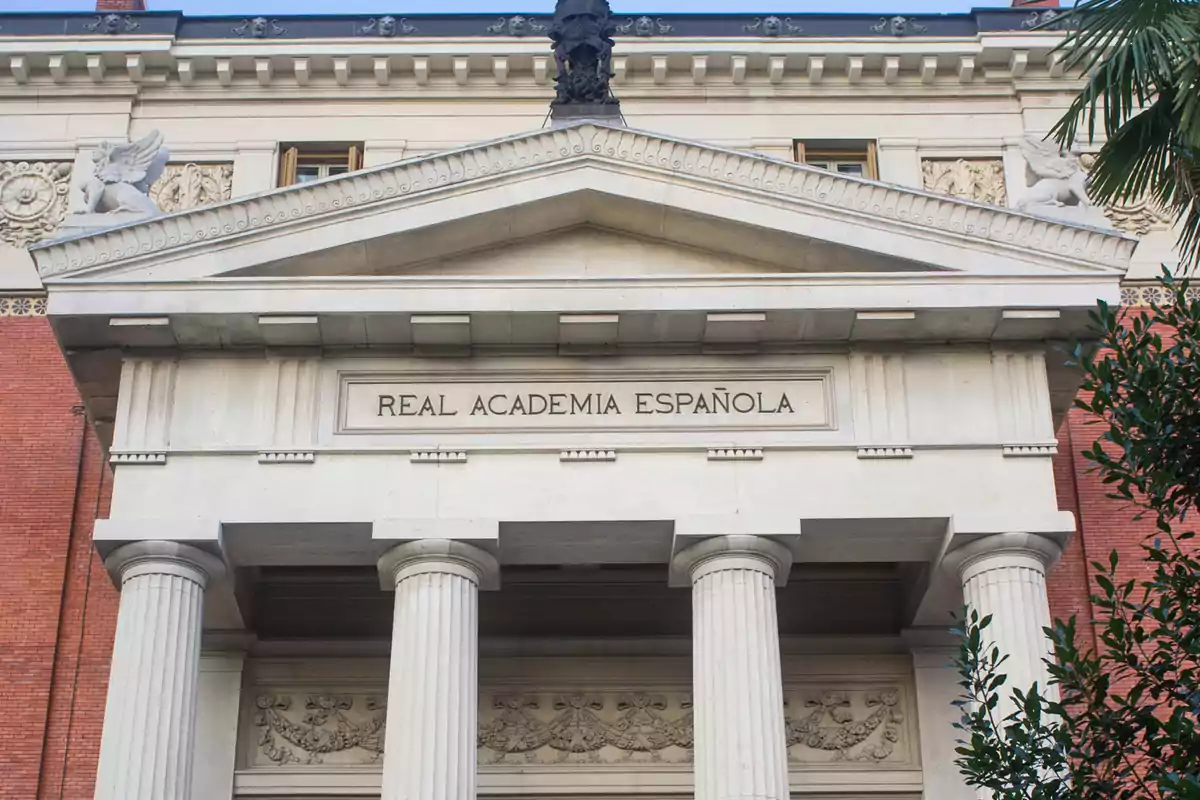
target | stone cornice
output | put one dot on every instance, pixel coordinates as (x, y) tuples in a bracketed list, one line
[(515, 25), (783, 180)]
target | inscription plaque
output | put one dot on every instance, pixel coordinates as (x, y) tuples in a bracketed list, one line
[(396, 405)]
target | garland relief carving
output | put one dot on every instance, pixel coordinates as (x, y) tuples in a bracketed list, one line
[(858, 726)]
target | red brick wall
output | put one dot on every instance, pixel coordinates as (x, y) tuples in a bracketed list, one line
[(120, 5), (45, 483)]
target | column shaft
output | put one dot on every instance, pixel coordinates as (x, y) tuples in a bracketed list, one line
[(740, 747), (1005, 576), (433, 685), (150, 718)]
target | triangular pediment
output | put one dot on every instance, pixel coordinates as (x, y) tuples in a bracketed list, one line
[(587, 199)]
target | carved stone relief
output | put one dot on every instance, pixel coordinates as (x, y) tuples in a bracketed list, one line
[(1135, 218), (335, 729), (184, 186), (862, 726), (981, 180), (33, 200)]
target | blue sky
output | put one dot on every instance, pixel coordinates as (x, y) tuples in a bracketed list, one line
[(528, 6)]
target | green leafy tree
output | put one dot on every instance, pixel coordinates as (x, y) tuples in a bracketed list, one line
[(1126, 721), (1142, 59)]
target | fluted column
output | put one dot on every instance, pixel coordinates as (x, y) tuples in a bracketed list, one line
[(1004, 575), (433, 685), (150, 717), (740, 749)]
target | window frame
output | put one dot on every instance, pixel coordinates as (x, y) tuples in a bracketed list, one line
[(836, 152), (294, 155)]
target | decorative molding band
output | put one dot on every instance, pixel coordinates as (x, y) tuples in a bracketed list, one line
[(1144, 294), (588, 455), (1024, 450), (286, 457), (885, 452), (23, 306), (736, 454), (647, 729), (145, 459), (438, 457), (800, 183)]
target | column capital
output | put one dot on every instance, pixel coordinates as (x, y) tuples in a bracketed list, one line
[(161, 557), (733, 551), (1002, 550), (438, 555)]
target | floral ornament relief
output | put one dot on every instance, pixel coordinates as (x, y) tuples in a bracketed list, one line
[(1137, 218), (872, 738), (330, 724), (981, 180), (576, 727), (33, 200), (184, 186)]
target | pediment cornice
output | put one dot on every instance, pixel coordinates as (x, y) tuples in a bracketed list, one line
[(271, 213)]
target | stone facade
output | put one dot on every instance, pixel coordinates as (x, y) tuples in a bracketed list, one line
[(323, 299)]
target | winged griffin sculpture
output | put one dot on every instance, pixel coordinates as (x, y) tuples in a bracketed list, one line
[(1058, 185), (122, 176), (112, 186)]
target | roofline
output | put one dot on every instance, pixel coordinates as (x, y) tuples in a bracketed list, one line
[(742, 25), (580, 140)]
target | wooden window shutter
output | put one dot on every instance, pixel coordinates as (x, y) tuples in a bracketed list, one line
[(798, 151), (872, 161), (354, 158), (287, 166)]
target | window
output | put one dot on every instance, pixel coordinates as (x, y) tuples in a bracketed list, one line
[(310, 161), (844, 156)]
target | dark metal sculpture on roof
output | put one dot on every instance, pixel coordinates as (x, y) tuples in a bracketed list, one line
[(582, 33)]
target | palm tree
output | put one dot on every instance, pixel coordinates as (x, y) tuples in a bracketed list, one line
[(1142, 59)]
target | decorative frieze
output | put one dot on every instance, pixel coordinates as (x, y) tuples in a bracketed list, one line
[(22, 306), (319, 729), (1144, 294), (33, 200), (978, 179), (184, 186), (651, 727)]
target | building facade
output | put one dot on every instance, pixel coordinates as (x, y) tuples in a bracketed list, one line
[(423, 448)]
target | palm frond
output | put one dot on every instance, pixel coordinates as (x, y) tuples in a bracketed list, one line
[(1129, 49)]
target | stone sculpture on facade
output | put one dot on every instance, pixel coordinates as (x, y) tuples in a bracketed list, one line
[(582, 33), (1057, 185), (113, 186)]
